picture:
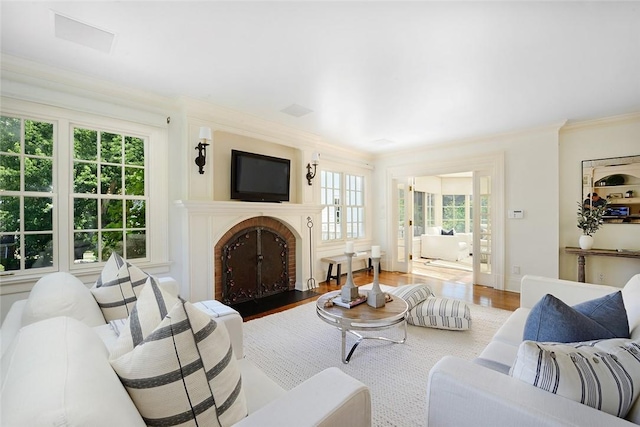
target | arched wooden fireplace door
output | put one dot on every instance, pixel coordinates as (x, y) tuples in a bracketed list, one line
[(255, 261)]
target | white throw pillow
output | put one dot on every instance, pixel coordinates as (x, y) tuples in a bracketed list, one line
[(603, 374), (57, 373), (61, 294), (184, 372), (412, 294), (631, 298), (441, 313), (118, 287)]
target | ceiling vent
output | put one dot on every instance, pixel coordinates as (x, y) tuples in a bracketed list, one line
[(296, 110), (84, 34)]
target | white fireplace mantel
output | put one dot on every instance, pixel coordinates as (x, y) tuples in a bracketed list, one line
[(206, 221)]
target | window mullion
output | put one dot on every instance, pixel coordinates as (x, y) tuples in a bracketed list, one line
[(62, 185)]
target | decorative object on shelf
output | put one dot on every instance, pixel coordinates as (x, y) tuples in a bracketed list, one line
[(628, 194), (614, 196), (375, 298), (201, 160), (589, 221), (585, 242), (613, 180), (315, 161), (349, 290)]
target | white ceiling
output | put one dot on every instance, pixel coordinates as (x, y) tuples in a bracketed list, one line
[(379, 76)]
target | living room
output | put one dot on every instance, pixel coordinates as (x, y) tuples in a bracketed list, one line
[(552, 151), (533, 161)]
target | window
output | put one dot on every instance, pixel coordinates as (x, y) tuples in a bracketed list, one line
[(109, 203), (418, 213), (431, 210), (355, 206), (26, 194), (456, 212), (337, 197), (74, 187)]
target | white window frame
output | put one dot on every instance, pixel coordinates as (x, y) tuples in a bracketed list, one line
[(354, 206), (40, 194), (156, 188), (467, 211), (101, 197), (349, 215)]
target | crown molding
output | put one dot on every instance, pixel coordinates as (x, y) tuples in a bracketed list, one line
[(465, 142), (20, 70), (605, 121)]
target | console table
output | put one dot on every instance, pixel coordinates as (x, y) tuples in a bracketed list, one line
[(339, 259), (582, 253)]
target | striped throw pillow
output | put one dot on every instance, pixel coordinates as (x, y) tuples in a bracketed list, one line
[(441, 313), (118, 287), (412, 294), (152, 306), (603, 374), (183, 372)]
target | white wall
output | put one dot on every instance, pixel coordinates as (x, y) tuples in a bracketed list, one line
[(597, 139)]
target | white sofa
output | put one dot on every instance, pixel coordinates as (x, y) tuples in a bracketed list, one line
[(55, 371), (462, 392), (433, 244)]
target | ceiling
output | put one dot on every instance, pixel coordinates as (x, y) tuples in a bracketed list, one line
[(378, 76)]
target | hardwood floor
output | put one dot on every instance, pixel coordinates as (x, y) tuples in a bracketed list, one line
[(456, 286)]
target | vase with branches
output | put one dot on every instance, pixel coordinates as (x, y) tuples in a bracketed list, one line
[(590, 218), (589, 221)]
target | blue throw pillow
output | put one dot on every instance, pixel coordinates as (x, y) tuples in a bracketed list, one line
[(551, 320), (609, 312)]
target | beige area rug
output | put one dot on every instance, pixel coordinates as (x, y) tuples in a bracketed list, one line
[(293, 345)]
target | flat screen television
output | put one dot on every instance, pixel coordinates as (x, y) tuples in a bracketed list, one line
[(259, 178)]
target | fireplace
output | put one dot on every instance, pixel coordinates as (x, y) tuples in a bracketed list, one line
[(208, 225), (255, 259)]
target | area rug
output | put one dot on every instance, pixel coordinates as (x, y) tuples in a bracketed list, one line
[(293, 345)]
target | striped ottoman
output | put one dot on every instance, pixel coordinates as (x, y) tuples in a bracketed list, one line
[(440, 313)]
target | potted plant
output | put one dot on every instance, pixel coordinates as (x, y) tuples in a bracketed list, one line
[(589, 221)]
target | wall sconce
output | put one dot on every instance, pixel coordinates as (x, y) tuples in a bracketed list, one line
[(315, 160), (205, 135)]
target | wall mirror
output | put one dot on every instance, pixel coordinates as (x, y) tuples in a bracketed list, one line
[(617, 180)]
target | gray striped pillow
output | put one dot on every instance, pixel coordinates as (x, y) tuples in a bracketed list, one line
[(183, 372), (603, 374), (152, 306), (118, 287), (441, 313), (412, 294)]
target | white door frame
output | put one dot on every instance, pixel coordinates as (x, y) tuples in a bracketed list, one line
[(402, 263), (493, 163)]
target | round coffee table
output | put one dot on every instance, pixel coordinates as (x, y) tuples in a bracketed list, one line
[(362, 318)]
